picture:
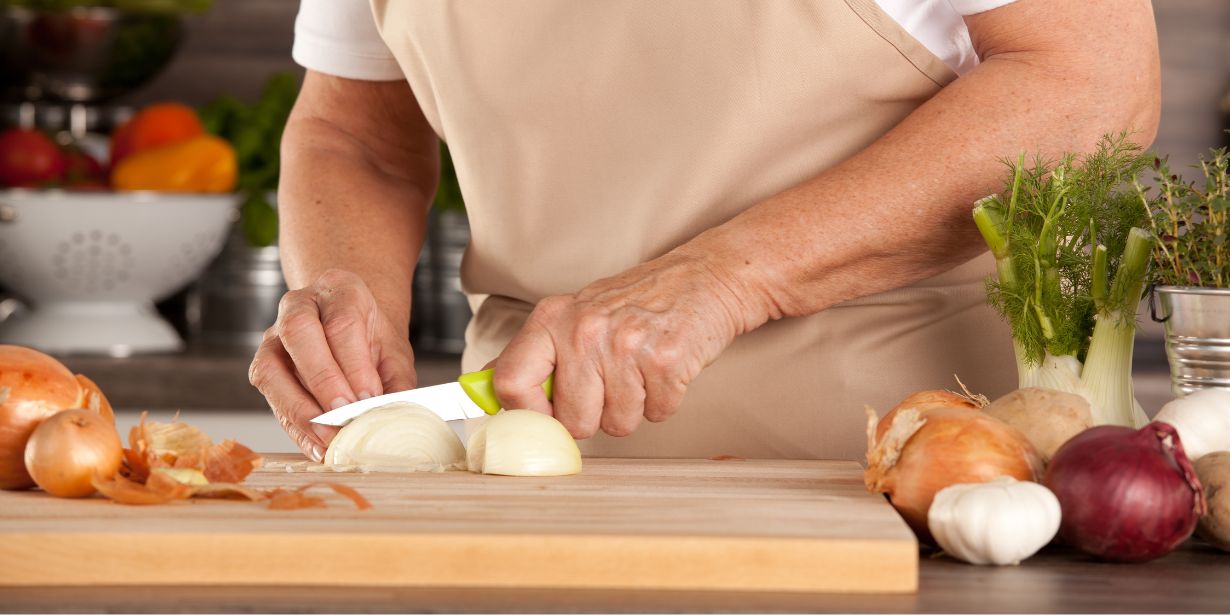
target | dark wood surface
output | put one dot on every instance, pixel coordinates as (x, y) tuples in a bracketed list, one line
[(1195, 579)]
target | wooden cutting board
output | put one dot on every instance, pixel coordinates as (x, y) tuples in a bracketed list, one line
[(806, 526)]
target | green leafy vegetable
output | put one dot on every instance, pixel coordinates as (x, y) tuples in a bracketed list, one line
[(255, 131), (1071, 264)]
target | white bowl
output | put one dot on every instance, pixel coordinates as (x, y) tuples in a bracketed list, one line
[(91, 264)]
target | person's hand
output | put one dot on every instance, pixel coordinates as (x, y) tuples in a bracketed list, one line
[(625, 347), (331, 345)]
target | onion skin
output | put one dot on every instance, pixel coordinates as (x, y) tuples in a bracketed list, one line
[(956, 443), (67, 450), (37, 387), (1126, 495)]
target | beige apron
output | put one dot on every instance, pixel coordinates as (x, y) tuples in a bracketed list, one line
[(592, 136)]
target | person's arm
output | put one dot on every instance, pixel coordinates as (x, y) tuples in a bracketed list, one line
[(359, 169), (1056, 75)]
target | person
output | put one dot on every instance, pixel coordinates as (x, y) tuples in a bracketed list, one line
[(725, 226)]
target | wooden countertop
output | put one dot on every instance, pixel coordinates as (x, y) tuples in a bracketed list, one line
[(1192, 580)]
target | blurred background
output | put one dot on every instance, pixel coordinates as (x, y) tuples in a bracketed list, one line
[(176, 330)]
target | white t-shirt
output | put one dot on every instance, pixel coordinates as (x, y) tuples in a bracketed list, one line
[(338, 37)]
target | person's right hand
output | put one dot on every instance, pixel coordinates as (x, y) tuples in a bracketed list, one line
[(331, 345)]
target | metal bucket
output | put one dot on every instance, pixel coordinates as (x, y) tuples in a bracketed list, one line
[(1197, 323)]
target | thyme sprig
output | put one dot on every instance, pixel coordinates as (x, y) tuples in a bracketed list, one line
[(1190, 224)]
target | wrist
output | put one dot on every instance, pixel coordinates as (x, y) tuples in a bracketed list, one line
[(739, 277)]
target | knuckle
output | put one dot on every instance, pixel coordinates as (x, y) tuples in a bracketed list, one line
[(509, 391), (258, 373), (296, 323), (341, 322), (291, 301), (591, 327), (667, 355), (628, 340), (325, 380)]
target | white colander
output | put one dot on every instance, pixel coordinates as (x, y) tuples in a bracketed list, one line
[(91, 265)]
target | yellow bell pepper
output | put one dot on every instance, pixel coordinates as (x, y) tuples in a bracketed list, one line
[(200, 164)]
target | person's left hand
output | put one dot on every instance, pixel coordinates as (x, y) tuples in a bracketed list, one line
[(624, 347)]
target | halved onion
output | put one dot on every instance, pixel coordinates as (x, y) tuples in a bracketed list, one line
[(401, 437), (523, 443)]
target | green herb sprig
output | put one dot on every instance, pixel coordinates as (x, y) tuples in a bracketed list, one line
[(1191, 224)]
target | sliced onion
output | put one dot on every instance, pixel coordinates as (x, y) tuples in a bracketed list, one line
[(398, 437)]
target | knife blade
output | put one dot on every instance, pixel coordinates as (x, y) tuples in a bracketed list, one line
[(470, 397)]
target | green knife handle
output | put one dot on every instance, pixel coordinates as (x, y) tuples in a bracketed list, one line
[(478, 387)]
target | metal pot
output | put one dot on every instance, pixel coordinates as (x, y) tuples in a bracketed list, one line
[(1197, 323), (237, 299), (441, 311)]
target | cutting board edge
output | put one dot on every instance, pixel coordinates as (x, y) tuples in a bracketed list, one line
[(524, 561)]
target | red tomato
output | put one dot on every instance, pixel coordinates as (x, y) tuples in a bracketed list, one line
[(28, 159), (154, 126)]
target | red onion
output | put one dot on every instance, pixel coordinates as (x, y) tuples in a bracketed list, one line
[(1126, 495)]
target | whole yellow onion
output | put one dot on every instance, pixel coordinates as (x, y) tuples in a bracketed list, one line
[(34, 386), (934, 439)]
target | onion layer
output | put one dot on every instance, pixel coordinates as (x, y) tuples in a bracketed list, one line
[(1127, 495), (34, 386), (934, 439), (67, 450)]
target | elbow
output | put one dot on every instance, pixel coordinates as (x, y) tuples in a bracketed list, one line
[(1129, 92), (1140, 108)]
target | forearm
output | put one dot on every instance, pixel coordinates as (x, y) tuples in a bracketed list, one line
[(899, 211), (346, 204)]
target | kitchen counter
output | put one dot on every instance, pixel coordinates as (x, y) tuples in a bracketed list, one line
[(1191, 580)]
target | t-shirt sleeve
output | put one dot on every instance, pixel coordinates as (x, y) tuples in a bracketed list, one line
[(970, 7), (339, 37)]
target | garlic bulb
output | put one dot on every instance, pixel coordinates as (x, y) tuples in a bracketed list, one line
[(1202, 420), (523, 443), (397, 437), (1000, 522)]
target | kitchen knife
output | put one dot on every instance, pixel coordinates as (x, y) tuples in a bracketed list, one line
[(470, 397)]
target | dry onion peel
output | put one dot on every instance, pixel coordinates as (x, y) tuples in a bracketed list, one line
[(934, 439), (294, 499)]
